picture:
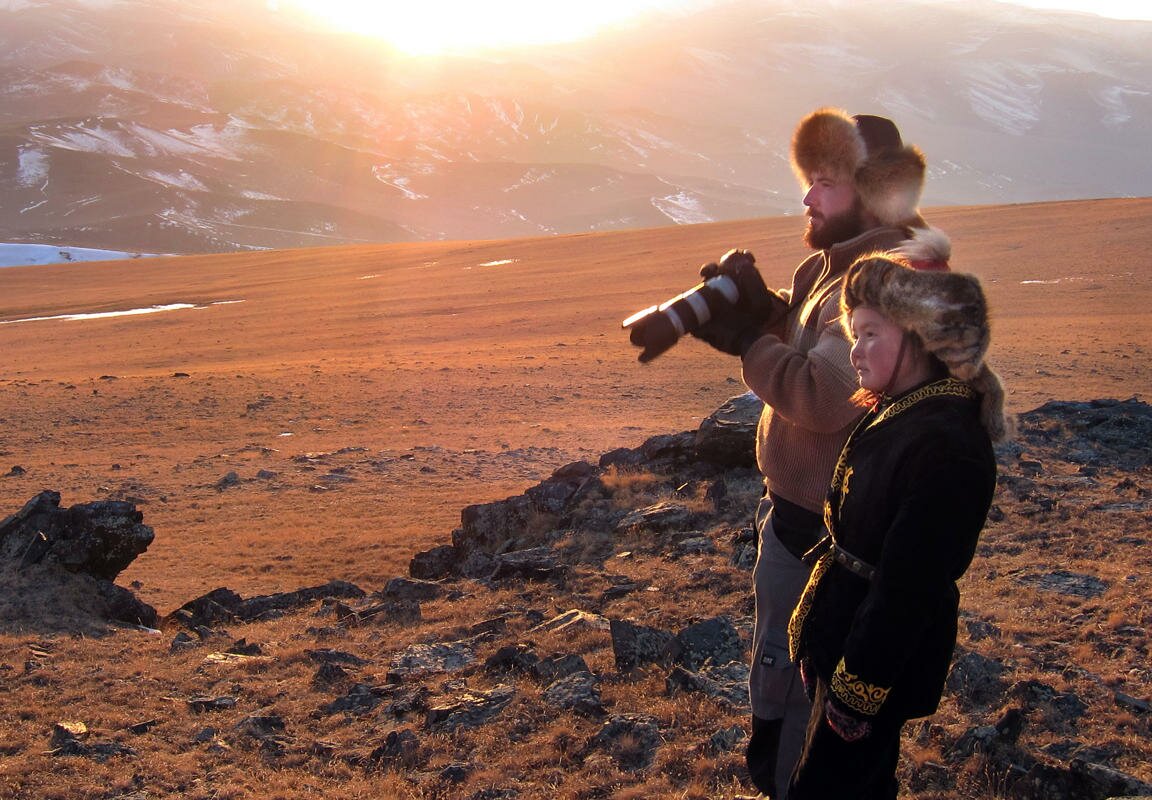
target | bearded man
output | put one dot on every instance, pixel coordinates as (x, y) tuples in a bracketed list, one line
[(863, 186)]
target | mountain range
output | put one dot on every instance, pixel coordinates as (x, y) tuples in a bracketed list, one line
[(199, 126)]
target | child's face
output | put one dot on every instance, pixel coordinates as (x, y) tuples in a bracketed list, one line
[(875, 348)]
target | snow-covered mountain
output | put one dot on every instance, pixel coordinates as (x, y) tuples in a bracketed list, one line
[(198, 125)]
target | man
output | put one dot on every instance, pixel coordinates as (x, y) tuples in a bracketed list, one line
[(863, 187)]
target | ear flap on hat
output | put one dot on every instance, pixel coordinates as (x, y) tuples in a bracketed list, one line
[(890, 183)]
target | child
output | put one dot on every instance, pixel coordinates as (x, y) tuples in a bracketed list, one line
[(875, 628)]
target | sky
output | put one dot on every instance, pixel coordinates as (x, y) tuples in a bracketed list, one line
[(1118, 9), (445, 26)]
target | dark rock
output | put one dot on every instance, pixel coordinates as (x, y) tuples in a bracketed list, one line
[(667, 515), (634, 645), (477, 565), (1054, 710), (423, 659), (242, 647), (578, 692), (328, 675), (553, 495), (183, 641), (976, 680), (727, 740), (1108, 432), (121, 605), (408, 700), (553, 668), (469, 711), (728, 435), (630, 739), (435, 564), (412, 589), (713, 641), (400, 748), (492, 527), (1098, 780), (725, 683), (455, 773), (1070, 583), (261, 726), (513, 658), (227, 482), (537, 563), (403, 612), (1132, 703), (225, 605), (200, 705), (360, 699), (98, 539), (71, 739)]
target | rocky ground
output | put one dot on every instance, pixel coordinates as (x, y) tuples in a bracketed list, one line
[(328, 420), (589, 639)]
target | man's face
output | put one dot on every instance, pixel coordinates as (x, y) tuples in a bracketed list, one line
[(833, 211)]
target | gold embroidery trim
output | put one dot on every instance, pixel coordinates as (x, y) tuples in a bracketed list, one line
[(949, 387), (796, 621), (857, 694)]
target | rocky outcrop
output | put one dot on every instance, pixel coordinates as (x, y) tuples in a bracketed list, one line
[(59, 565), (512, 662)]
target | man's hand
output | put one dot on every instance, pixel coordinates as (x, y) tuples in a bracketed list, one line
[(731, 331), (756, 299)]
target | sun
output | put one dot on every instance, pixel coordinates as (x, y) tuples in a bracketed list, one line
[(432, 27)]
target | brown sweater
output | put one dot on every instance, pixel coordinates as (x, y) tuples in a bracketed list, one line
[(805, 379)]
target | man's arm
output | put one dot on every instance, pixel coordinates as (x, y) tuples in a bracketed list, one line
[(808, 389)]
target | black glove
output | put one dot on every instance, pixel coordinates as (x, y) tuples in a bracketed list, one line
[(755, 297), (845, 722), (731, 331)]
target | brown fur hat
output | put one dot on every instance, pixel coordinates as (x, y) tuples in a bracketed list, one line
[(946, 310), (868, 151)]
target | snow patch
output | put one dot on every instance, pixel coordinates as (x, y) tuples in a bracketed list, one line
[(178, 180), (131, 312), (24, 255), (1007, 96), (389, 177), (1115, 101), (32, 167), (682, 208), (532, 176)]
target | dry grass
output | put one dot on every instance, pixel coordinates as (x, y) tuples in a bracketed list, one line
[(476, 386)]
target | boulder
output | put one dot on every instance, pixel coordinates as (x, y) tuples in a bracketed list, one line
[(98, 539)]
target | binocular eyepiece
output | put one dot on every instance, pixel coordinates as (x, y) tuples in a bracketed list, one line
[(657, 328)]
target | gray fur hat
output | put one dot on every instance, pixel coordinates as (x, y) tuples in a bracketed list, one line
[(868, 151), (946, 310)]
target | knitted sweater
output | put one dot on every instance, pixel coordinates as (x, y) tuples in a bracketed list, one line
[(805, 379)]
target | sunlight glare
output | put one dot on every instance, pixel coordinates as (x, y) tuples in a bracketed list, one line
[(427, 27)]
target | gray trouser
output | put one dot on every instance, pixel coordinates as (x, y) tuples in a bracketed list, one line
[(774, 685)]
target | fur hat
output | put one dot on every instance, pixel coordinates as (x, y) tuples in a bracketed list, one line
[(946, 310), (867, 151)]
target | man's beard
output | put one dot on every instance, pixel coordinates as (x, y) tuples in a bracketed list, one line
[(836, 229)]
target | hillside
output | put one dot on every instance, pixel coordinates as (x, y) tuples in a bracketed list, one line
[(181, 126), (297, 417)]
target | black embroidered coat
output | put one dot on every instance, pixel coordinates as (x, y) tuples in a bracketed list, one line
[(909, 498)]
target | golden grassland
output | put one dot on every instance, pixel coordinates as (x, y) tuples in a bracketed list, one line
[(383, 388)]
